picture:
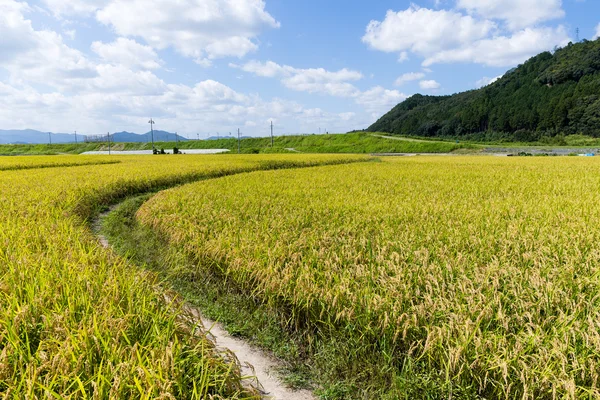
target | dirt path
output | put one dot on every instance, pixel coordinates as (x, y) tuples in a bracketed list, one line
[(404, 139), (254, 361)]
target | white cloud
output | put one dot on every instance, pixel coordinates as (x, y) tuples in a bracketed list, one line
[(48, 85), (37, 56), (486, 81), (441, 36), (318, 80), (335, 83), (408, 77), (347, 116), (200, 29), (597, 35), (424, 31), (429, 85), (312, 80), (120, 79), (127, 52), (51, 86), (403, 57), (504, 51), (74, 7), (378, 100), (517, 14), (70, 33), (208, 106), (267, 69)]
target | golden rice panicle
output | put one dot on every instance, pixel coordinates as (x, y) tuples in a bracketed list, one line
[(478, 274)]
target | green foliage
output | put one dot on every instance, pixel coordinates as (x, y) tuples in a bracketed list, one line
[(355, 142), (39, 149), (550, 95), (351, 143)]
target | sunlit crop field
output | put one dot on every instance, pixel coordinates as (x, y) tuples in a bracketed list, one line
[(33, 162), (469, 276), (77, 321)]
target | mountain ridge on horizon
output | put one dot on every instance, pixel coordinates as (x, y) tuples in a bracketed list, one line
[(32, 136), (550, 96)]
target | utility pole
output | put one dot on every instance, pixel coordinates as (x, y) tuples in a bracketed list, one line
[(108, 136), (577, 35), (49, 138), (176, 140), (198, 136), (238, 140), (75, 137), (151, 122), (271, 133)]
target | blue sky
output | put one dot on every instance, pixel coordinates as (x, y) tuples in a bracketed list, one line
[(207, 66)]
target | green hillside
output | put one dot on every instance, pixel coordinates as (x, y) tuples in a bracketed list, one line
[(357, 142), (548, 97)]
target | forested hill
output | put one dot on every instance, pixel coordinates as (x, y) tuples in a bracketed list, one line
[(549, 96)]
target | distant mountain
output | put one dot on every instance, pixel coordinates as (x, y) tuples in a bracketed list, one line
[(551, 95), (127, 137), (30, 136), (159, 136)]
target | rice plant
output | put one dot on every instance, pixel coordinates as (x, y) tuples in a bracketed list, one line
[(76, 320), (467, 276)]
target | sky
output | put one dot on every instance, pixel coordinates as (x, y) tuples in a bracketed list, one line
[(198, 67)]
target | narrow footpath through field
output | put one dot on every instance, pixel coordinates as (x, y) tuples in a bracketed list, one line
[(255, 363)]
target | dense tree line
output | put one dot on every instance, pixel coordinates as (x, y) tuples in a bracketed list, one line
[(546, 98)]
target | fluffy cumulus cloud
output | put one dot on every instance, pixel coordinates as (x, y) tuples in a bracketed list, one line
[(488, 32), (597, 35), (503, 51), (200, 29), (517, 14), (334, 83), (47, 84), (70, 8), (378, 100), (424, 31), (312, 80), (408, 77), (127, 52), (37, 56), (429, 85)]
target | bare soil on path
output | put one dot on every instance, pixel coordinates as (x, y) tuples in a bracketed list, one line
[(257, 367)]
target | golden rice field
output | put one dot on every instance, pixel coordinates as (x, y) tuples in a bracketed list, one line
[(76, 320), (450, 277), (33, 162)]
